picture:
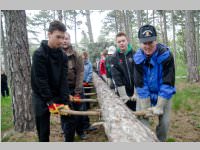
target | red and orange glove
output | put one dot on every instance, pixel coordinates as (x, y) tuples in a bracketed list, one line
[(53, 108), (77, 99), (85, 84)]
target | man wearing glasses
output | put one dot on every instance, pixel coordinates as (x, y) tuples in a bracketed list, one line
[(154, 78)]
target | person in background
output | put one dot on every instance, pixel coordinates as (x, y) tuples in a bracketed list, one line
[(87, 79), (102, 66), (122, 70), (75, 80), (154, 75), (111, 51), (4, 84)]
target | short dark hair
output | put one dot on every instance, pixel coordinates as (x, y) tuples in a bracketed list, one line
[(56, 25), (121, 34)]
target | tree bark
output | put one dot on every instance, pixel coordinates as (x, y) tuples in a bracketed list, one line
[(60, 16), (116, 22), (153, 17), (174, 36), (119, 122), (193, 72), (89, 25), (139, 20), (165, 27), (20, 69), (4, 47)]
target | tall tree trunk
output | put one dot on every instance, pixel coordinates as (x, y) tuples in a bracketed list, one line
[(60, 16), (165, 27), (4, 47), (174, 36), (139, 19), (161, 28), (89, 25), (75, 32), (64, 17), (121, 21), (153, 17), (20, 69), (197, 39), (116, 22), (147, 17), (193, 72), (54, 14), (45, 30)]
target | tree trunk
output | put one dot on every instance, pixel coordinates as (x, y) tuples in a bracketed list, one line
[(147, 17), (119, 122), (60, 16), (89, 25), (197, 39), (20, 69), (54, 14), (193, 72), (153, 17), (65, 20), (161, 27), (45, 31), (116, 22), (139, 20), (121, 21), (174, 36), (165, 27), (4, 47), (75, 32)]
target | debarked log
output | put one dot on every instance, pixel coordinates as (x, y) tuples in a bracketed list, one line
[(120, 124)]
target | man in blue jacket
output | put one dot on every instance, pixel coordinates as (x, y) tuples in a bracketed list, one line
[(154, 78)]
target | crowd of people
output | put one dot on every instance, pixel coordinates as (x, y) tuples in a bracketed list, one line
[(143, 79)]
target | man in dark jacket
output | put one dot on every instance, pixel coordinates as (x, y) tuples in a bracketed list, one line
[(49, 79), (75, 81), (122, 70), (4, 84), (154, 75)]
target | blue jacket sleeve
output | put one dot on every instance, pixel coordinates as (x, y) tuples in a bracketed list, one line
[(89, 77)]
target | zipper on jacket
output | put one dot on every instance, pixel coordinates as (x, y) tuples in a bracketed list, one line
[(128, 70)]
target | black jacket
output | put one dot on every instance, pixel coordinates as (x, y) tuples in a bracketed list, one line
[(4, 82), (49, 75), (122, 70)]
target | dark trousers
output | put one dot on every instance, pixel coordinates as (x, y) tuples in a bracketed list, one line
[(42, 120), (43, 127), (74, 123), (4, 91)]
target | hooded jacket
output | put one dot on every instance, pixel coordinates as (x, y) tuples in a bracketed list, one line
[(122, 68), (49, 75), (155, 75)]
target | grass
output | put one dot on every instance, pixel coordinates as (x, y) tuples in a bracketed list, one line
[(187, 96), (6, 114)]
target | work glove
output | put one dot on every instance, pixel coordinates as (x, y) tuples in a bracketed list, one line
[(159, 108), (85, 84), (54, 108), (122, 94), (76, 98), (144, 103), (133, 98), (62, 110)]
